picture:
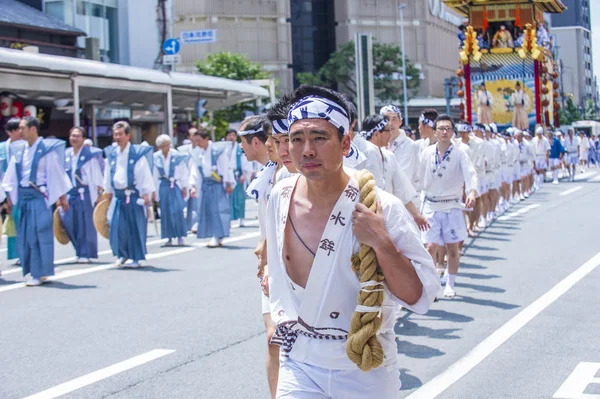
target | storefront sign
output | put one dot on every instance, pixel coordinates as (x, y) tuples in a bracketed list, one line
[(440, 10)]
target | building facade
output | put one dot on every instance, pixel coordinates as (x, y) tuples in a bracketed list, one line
[(572, 30), (258, 28)]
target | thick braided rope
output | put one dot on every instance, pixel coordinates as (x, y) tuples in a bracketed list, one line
[(362, 346)]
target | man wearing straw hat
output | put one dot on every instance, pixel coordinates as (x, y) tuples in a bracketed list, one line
[(315, 223), (129, 184), (83, 164), (35, 180)]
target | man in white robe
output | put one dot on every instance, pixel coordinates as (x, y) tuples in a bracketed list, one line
[(444, 169), (473, 145), (571, 145), (541, 146), (485, 102), (404, 148), (314, 225), (129, 184), (584, 150), (521, 103), (241, 171), (35, 180)]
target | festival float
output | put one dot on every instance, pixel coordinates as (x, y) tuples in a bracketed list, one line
[(504, 43)]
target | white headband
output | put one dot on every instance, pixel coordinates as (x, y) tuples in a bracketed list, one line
[(390, 108), (539, 130), (463, 127), (280, 126), (378, 128), (316, 107), (246, 132), (425, 120)]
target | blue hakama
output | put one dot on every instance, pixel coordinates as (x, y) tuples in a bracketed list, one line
[(36, 238), (172, 223), (11, 242), (128, 227), (238, 202), (79, 223), (215, 214)]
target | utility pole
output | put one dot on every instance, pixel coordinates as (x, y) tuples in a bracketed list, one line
[(402, 7)]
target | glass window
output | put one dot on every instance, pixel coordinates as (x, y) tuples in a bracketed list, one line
[(56, 9)]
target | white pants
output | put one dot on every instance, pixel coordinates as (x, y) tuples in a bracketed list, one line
[(447, 227), (583, 155), (483, 185), (572, 159), (540, 162), (302, 381), (554, 163)]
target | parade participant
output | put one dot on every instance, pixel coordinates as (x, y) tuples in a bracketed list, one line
[(403, 147), (12, 219), (473, 144), (523, 162), (426, 131), (444, 169), (511, 156), (258, 148), (492, 173), (521, 103), (502, 38), (387, 172), (503, 183), (84, 166), (485, 102), (195, 152), (584, 149), (171, 176), (542, 152), (556, 154), (516, 184), (315, 224), (530, 161), (480, 168), (572, 156), (35, 180), (217, 183), (129, 185), (240, 167)]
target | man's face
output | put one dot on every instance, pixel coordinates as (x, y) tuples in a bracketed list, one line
[(464, 136), (202, 142), (395, 120), (120, 137), (250, 148), (478, 133), (76, 138), (444, 131), (271, 150), (232, 136), (28, 133), (15, 134), (386, 135), (195, 139), (316, 149), (518, 87), (282, 145)]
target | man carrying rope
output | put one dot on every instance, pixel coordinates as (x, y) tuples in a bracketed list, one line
[(332, 238)]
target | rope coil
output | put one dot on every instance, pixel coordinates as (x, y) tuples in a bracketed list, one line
[(362, 346)]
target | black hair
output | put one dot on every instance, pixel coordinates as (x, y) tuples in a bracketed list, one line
[(122, 125), (32, 121), (230, 131), (407, 129), (82, 130), (430, 114), (12, 124), (480, 126), (443, 117), (371, 121), (338, 98), (281, 108), (256, 122)]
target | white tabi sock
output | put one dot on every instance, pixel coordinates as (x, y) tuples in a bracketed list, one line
[(451, 278)]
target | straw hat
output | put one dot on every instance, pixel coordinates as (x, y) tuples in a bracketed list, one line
[(59, 228), (101, 218)]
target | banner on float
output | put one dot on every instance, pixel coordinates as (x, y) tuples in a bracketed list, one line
[(500, 73)]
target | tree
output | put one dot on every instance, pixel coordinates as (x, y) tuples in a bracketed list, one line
[(570, 113), (231, 66), (387, 72), (590, 110)]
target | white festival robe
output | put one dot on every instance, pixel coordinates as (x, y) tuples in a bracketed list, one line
[(541, 146), (181, 173), (91, 173), (325, 306), (445, 182), (406, 152)]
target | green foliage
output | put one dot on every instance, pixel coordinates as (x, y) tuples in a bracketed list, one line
[(570, 113), (230, 66), (387, 67), (591, 113)]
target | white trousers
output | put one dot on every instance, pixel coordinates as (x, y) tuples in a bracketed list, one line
[(302, 381)]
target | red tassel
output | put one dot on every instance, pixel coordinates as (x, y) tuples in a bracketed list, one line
[(518, 16), (486, 21)]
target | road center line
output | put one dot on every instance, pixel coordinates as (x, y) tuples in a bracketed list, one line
[(519, 212), (582, 176), (101, 374), (571, 191), (441, 382), (106, 266)]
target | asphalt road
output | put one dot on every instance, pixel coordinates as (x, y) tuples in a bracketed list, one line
[(188, 324)]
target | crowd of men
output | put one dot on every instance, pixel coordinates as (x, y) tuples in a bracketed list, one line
[(332, 234)]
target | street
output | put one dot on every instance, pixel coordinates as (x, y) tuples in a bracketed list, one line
[(188, 324)]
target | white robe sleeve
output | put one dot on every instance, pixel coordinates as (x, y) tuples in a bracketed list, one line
[(223, 166), (156, 178), (10, 183), (181, 175), (92, 176), (469, 174), (108, 188), (402, 186), (144, 183), (403, 233), (57, 180)]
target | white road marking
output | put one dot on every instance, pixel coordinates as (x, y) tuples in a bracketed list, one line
[(519, 212), (582, 176), (597, 178), (101, 374), (571, 191), (574, 386), (459, 369), (106, 266)]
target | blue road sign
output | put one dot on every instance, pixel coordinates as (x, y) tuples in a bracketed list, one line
[(199, 36), (171, 46)]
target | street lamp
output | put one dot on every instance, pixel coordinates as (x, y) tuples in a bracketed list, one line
[(402, 7)]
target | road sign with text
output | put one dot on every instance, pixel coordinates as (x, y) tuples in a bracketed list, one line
[(171, 46), (171, 59), (199, 36)]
